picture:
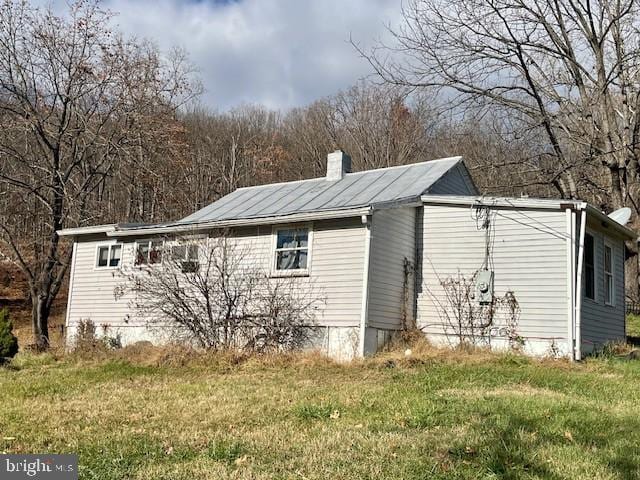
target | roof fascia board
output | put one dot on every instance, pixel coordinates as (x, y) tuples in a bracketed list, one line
[(531, 203), (280, 219), (606, 220), (405, 202), (73, 232), (498, 201)]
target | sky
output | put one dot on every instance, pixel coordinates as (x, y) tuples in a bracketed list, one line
[(277, 53)]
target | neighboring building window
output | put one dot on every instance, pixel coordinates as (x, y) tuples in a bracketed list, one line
[(188, 257), (608, 275), (292, 249), (589, 267), (109, 255), (149, 252)]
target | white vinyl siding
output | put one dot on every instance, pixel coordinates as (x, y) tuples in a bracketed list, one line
[(603, 323), (455, 182), (338, 250), (92, 294), (528, 256), (392, 240)]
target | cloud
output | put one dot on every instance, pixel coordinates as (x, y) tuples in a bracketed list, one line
[(278, 53)]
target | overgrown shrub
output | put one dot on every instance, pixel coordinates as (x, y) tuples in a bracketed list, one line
[(87, 339), (222, 301), (475, 324), (8, 341)]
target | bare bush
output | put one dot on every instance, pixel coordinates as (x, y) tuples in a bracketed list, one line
[(207, 292), (87, 340), (473, 323), (86, 336)]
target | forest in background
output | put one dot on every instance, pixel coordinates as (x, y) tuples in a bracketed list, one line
[(96, 128)]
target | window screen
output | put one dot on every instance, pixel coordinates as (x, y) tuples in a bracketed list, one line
[(109, 255), (114, 258), (292, 249), (149, 252), (608, 275), (103, 256), (589, 271)]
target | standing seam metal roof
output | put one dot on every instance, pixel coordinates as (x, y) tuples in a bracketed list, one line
[(359, 189)]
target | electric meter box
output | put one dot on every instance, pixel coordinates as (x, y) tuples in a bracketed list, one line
[(484, 287)]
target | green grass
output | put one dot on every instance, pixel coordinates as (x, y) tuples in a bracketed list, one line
[(633, 325), (459, 416)]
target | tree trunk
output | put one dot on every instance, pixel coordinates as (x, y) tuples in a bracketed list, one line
[(40, 320)]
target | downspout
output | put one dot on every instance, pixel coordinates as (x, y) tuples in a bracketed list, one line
[(570, 215), (364, 312), (578, 294), (71, 276)]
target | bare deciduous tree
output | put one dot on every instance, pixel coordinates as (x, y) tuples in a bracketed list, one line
[(75, 101), (563, 71)]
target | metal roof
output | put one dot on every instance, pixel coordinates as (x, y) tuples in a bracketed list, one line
[(360, 189)]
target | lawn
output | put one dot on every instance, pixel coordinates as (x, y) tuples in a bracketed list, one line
[(440, 415), (633, 325)]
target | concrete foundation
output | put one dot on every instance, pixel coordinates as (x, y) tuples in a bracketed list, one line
[(552, 347), (340, 343)]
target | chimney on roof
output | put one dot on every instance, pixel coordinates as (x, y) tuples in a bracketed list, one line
[(338, 163)]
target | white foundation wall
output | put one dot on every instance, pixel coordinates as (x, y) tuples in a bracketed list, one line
[(528, 252), (336, 272)]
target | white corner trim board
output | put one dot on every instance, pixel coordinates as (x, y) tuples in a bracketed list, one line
[(367, 220), (578, 314)]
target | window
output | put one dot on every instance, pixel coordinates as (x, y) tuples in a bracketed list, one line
[(109, 255), (608, 275), (589, 267), (187, 255), (149, 252), (292, 249)]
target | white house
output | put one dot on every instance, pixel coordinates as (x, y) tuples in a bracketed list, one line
[(391, 247)]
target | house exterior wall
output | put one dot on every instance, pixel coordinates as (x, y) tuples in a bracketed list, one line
[(392, 241), (602, 323), (455, 182), (336, 268), (528, 256)]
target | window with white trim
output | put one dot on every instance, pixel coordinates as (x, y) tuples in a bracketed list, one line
[(149, 252), (608, 275), (589, 267), (109, 255), (292, 249), (188, 255)]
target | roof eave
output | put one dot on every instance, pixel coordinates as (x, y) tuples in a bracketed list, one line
[(524, 202), (90, 230), (243, 222), (533, 203), (609, 222)]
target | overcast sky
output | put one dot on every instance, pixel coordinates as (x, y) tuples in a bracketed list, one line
[(279, 53)]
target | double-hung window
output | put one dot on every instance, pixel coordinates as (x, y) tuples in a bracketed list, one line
[(187, 256), (609, 294), (291, 250), (589, 267), (109, 255), (149, 252)]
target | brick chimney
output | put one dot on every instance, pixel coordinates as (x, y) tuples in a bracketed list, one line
[(338, 163)]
